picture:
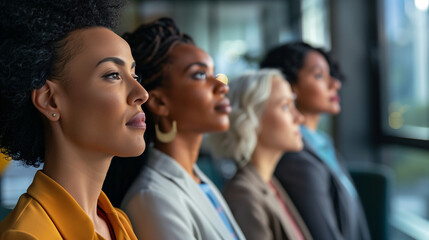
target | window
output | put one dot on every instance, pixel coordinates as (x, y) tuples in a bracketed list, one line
[(404, 52), (315, 23), (405, 42), (410, 201)]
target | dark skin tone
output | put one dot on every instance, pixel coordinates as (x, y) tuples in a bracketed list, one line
[(194, 98), (90, 117), (316, 90)]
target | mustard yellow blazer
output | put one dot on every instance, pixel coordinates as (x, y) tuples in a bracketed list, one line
[(47, 211)]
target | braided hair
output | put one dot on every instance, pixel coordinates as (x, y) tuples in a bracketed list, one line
[(290, 57), (151, 45), (34, 47)]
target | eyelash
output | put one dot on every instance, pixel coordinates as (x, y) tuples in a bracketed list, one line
[(138, 78), (116, 76), (286, 107), (111, 76), (195, 76)]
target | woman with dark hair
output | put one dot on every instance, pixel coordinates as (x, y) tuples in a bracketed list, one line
[(69, 99), (264, 125), (315, 178), (172, 198)]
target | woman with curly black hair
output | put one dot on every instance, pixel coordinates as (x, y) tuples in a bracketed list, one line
[(315, 178), (172, 198), (69, 99)]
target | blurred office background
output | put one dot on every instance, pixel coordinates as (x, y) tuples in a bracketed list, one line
[(382, 47)]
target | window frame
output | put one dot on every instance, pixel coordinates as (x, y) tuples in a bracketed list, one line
[(385, 137)]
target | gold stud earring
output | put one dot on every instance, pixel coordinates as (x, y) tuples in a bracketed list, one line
[(222, 78), (166, 137)]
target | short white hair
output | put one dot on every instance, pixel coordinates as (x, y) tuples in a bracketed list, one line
[(248, 95)]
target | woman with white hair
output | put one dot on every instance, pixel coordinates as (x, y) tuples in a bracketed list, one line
[(264, 124)]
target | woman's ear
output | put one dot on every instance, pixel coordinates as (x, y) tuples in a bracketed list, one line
[(158, 103), (44, 100)]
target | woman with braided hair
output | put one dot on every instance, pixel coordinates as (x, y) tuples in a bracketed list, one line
[(69, 99), (171, 198)]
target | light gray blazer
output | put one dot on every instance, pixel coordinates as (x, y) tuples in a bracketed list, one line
[(164, 202)]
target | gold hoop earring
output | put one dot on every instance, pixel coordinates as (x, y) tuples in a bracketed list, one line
[(166, 137)]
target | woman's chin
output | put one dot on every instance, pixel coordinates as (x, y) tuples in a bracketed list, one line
[(293, 147), (219, 129), (298, 146), (334, 110), (222, 126), (134, 151)]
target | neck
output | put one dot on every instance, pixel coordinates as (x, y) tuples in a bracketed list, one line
[(265, 160), (80, 173), (311, 120), (184, 149)]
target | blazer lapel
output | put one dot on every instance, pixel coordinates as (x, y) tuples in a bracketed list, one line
[(344, 206), (271, 201), (222, 202), (292, 210), (309, 149), (169, 168), (336, 181), (268, 196)]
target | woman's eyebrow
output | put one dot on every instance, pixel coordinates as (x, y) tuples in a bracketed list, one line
[(201, 64), (116, 60)]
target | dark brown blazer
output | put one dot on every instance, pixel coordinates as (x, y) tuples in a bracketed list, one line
[(257, 209)]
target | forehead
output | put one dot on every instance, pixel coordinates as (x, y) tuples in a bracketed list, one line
[(96, 43), (280, 88), (185, 54), (315, 59)]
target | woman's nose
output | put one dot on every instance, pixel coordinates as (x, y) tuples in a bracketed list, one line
[(335, 83), (298, 117), (221, 88), (138, 95)]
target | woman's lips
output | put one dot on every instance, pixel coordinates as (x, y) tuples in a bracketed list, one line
[(335, 98), (138, 121), (223, 107)]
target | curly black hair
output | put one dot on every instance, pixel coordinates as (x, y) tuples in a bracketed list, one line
[(290, 57), (151, 45), (33, 47)]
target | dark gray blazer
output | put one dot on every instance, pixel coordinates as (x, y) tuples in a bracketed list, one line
[(325, 205), (257, 209), (165, 203)]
